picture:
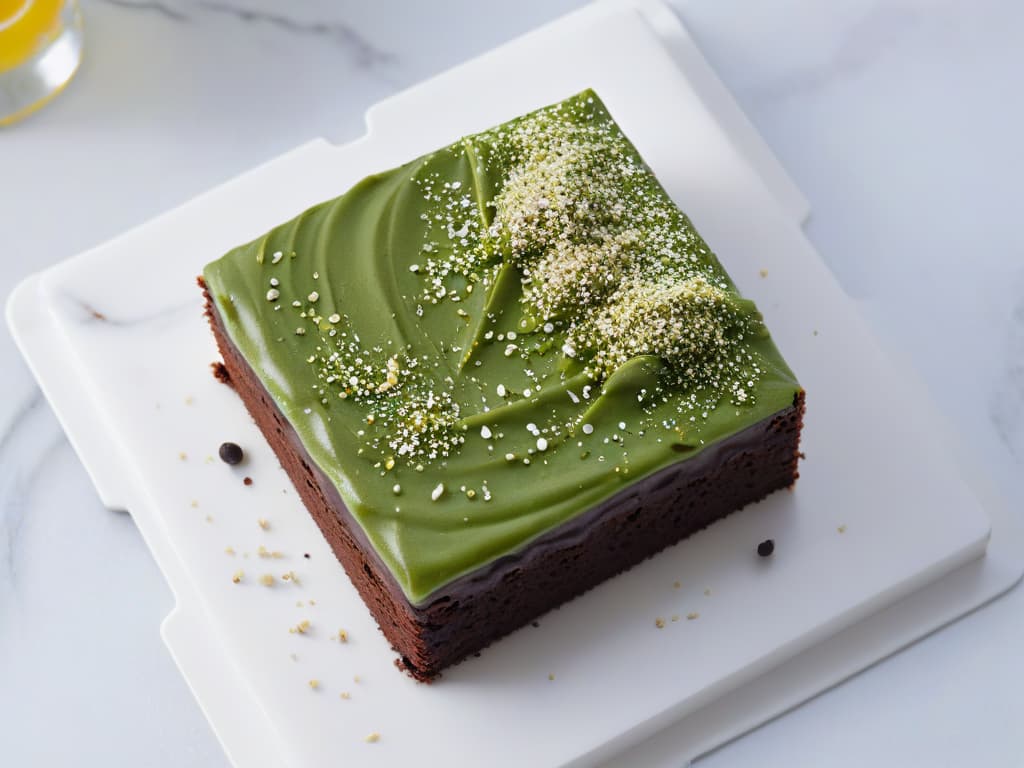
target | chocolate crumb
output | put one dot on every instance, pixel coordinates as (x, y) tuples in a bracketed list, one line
[(247, 481), (220, 373), (231, 453), (766, 547), (306, 555)]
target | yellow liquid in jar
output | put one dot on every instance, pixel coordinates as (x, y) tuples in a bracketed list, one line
[(26, 26)]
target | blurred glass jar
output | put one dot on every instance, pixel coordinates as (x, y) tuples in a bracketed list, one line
[(40, 49)]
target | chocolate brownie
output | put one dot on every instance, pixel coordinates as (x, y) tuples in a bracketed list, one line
[(501, 374)]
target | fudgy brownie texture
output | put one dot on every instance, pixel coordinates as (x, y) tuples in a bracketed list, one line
[(481, 607)]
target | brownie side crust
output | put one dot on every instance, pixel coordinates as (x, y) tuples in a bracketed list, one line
[(481, 607)]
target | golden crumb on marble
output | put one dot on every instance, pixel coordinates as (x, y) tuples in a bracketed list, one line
[(764, 273), (841, 529), (314, 684), (301, 628), (675, 617), (189, 400), (659, 623), (262, 551), (229, 551), (194, 503), (373, 738), (209, 518), (238, 576), (267, 580), (551, 675), (263, 523), (182, 455), (356, 679), (345, 695), (290, 576), (691, 616), (677, 584), (342, 636)]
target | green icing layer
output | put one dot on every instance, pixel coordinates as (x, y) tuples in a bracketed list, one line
[(488, 341)]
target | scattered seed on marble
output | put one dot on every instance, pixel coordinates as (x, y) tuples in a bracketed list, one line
[(231, 453)]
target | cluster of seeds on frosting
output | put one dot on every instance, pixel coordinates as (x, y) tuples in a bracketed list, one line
[(609, 266), (456, 255), (609, 270), (603, 251), (406, 415)]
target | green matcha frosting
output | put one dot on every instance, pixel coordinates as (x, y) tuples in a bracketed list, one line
[(484, 343)]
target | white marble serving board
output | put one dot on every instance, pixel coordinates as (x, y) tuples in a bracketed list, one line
[(117, 340)]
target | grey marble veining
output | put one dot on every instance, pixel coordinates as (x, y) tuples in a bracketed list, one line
[(166, 10), (364, 53), (23, 456), (898, 120), (1006, 409), (79, 310)]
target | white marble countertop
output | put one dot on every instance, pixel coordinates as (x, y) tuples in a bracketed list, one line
[(900, 121)]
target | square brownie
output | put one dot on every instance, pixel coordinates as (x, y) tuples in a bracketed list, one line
[(502, 373)]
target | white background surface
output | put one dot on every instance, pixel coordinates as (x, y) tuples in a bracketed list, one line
[(900, 122)]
